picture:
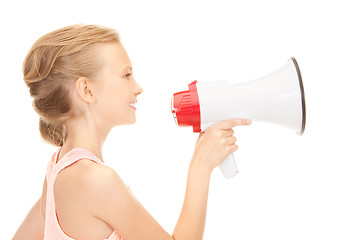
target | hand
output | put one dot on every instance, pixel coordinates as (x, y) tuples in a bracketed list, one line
[(217, 143)]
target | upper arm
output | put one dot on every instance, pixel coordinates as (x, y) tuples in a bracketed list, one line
[(43, 200), (33, 225), (116, 205)]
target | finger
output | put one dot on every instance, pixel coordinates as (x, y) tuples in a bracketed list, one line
[(227, 124), (228, 132), (232, 148), (230, 140)]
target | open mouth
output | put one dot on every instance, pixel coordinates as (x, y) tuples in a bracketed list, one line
[(132, 105)]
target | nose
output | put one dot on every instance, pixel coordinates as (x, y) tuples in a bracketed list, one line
[(139, 90)]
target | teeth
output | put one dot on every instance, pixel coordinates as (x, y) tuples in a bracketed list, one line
[(132, 104)]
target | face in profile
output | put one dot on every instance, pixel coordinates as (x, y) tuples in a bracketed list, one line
[(117, 89)]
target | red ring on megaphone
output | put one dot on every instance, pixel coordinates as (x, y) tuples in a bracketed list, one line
[(186, 107)]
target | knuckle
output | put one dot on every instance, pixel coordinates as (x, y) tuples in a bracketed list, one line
[(232, 148), (218, 134), (230, 132), (212, 131)]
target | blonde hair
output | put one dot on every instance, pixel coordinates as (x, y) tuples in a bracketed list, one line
[(56, 60)]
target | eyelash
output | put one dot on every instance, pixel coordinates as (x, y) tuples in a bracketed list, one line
[(127, 75)]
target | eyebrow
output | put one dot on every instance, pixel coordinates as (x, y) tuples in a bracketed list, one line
[(127, 67)]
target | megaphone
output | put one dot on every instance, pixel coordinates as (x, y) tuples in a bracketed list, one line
[(276, 98)]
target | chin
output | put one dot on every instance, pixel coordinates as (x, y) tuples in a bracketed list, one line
[(126, 122), (132, 121)]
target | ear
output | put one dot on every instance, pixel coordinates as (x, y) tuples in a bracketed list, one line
[(85, 90)]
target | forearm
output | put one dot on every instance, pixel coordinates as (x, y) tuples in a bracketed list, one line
[(191, 222)]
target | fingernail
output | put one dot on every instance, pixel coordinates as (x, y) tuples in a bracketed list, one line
[(248, 121)]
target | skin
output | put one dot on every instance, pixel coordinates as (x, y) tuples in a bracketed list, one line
[(91, 199)]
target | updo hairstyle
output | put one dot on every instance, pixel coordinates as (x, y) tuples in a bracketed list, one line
[(50, 69)]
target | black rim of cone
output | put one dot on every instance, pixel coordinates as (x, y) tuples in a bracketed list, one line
[(302, 96)]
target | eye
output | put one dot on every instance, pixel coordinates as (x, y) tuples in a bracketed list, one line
[(127, 75)]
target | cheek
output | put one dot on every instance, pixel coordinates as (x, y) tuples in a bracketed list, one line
[(113, 104), (118, 100)]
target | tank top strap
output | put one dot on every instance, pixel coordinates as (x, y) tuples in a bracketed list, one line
[(71, 157)]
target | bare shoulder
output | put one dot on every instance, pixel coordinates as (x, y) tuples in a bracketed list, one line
[(87, 176), (79, 191), (87, 184), (99, 179)]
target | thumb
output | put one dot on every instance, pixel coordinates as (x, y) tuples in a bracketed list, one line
[(199, 137), (227, 124)]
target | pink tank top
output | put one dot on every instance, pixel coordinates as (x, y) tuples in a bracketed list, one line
[(53, 230)]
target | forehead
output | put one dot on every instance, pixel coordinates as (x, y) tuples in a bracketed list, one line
[(114, 55)]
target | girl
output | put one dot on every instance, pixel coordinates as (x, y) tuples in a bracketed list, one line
[(82, 84)]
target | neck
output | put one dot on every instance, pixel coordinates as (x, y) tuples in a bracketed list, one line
[(85, 133)]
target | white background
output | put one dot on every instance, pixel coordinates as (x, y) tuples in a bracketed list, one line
[(290, 186)]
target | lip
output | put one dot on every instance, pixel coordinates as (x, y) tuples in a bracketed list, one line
[(132, 106)]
